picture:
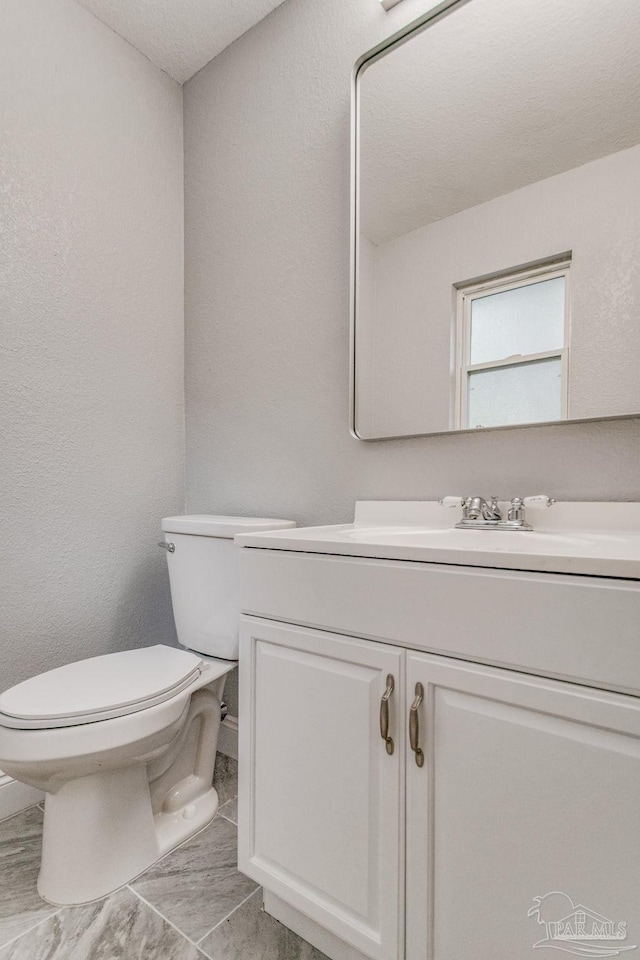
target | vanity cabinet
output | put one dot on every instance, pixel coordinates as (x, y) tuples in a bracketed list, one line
[(524, 802)]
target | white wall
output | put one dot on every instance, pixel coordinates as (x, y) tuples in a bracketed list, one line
[(267, 299), (91, 345), (405, 384)]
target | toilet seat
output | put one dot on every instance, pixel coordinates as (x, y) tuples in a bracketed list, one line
[(99, 688)]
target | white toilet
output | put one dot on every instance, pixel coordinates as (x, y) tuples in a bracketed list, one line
[(124, 745)]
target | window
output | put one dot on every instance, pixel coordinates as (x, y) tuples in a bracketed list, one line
[(512, 348)]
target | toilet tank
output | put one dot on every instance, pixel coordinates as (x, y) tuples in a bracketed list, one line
[(204, 576)]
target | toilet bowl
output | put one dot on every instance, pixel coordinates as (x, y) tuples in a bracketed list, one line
[(124, 744), (111, 810)]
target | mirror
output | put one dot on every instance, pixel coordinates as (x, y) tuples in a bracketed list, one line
[(496, 238)]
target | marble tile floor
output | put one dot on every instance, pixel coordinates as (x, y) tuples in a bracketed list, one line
[(192, 905)]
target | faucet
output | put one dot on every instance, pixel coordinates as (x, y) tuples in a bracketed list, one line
[(481, 514), (478, 509)]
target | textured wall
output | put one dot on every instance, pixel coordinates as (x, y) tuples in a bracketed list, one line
[(91, 346), (267, 240)]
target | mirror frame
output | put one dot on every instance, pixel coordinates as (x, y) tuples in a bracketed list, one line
[(432, 16)]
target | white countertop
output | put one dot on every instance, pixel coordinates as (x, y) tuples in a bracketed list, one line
[(596, 539)]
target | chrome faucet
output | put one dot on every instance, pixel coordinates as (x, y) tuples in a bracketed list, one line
[(481, 514), (478, 512)]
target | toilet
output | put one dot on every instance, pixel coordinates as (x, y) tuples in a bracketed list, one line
[(124, 744)]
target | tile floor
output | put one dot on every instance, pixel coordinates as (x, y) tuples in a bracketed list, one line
[(191, 905)]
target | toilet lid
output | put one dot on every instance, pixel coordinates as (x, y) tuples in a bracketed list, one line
[(99, 688)]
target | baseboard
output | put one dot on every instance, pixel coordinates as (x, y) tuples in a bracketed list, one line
[(309, 930), (228, 737), (16, 796)]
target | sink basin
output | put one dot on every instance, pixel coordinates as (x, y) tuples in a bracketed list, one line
[(598, 539)]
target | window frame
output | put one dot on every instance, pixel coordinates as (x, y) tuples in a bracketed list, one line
[(466, 294)]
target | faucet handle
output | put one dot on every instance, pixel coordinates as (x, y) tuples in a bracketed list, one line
[(451, 503), (539, 502)]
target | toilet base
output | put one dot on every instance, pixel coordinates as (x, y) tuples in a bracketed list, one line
[(173, 829), (100, 833)]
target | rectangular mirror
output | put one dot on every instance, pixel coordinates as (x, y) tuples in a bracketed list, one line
[(496, 238)]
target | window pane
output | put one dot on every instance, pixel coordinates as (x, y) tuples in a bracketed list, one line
[(528, 319), (522, 393)]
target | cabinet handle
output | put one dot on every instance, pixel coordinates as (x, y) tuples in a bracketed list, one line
[(384, 714), (414, 728)]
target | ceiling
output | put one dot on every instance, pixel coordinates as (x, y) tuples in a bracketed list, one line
[(180, 36), (496, 96)]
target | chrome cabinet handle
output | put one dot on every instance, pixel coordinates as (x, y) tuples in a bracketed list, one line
[(414, 728), (169, 547), (384, 714)]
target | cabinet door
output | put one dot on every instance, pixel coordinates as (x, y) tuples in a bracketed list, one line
[(321, 795), (523, 824)]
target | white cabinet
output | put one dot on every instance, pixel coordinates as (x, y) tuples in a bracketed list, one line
[(529, 787), (321, 796), (521, 826)]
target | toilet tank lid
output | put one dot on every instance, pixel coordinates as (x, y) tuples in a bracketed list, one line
[(204, 525)]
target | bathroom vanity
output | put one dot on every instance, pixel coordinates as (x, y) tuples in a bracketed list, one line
[(440, 732)]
